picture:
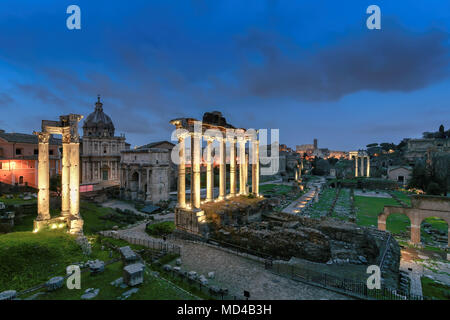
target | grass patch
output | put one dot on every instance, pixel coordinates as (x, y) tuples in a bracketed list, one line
[(16, 200), (434, 290), (368, 208), (28, 259), (275, 189), (322, 207), (97, 218), (153, 288), (402, 196)]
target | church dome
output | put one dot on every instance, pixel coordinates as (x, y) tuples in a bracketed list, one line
[(98, 123)]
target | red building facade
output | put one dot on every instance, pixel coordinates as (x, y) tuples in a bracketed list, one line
[(19, 158)]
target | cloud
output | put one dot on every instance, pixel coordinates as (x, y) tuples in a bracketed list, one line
[(5, 99), (393, 59)]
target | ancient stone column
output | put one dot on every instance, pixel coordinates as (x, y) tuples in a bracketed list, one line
[(232, 167), (74, 183), (241, 166), (222, 168), (361, 168), (65, 176), (356, 166), (368, 167), (43, 177), (181, 174), (246, 174), (415, 232), (209, 171), (255, 168), (196, 138)]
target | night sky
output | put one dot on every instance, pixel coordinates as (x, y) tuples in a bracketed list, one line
[(309, 68)]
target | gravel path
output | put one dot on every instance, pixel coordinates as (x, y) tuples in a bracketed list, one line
[(238, 273), (297, 206)]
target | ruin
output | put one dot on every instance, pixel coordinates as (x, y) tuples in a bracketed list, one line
[(190, 216), (359, 157), (67, 126), (422, 207)]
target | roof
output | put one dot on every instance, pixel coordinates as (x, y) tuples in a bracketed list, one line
[(155, 144), (150, 209), (98, 118), (391, 168), (26, 138)]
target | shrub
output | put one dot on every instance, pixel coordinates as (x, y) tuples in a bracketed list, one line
[(160, 229), (433, 189)]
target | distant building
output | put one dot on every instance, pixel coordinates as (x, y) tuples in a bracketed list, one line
[(312, 150), (100, 155), (19, 158), (418, 148), (173, 168), (145, 174), (400, 174)]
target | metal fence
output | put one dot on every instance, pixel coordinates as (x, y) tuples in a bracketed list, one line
[(345, 286), (349, 287), (149, 243), (210, 290)]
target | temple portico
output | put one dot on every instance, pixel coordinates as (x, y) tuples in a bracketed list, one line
[(189, 216), (362, 161)]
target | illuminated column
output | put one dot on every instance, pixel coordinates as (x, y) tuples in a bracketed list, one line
[(246, 173), (181, 174), (196, 139), (148, 194), (232, 167), (356, 166), (255, 167), (209, 171), (241, 166), (361, 168), (222, 167), (74, 182), (43, 177), (368, 166), (65, 176)]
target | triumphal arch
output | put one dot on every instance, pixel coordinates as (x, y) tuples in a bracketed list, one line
[(67, 127), (189, 215)]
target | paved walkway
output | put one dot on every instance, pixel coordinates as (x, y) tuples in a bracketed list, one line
[(414, 275), (237, 273), (297, 206)]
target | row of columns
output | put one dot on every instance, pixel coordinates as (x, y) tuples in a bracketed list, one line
[(196, 148), (359, 171), (70, 172), (70, 178)]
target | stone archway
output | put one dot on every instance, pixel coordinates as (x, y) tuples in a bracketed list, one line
[(134, 182), (422, 207)]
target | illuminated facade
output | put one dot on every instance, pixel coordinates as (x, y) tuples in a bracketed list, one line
[(19, 158), (100, 156)]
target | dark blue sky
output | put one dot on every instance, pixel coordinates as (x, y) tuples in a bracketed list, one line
[(309, 68)]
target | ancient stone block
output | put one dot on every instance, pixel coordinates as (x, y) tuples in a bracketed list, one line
[(8, 295), (133, 274), (54, 283), (128, 255)]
